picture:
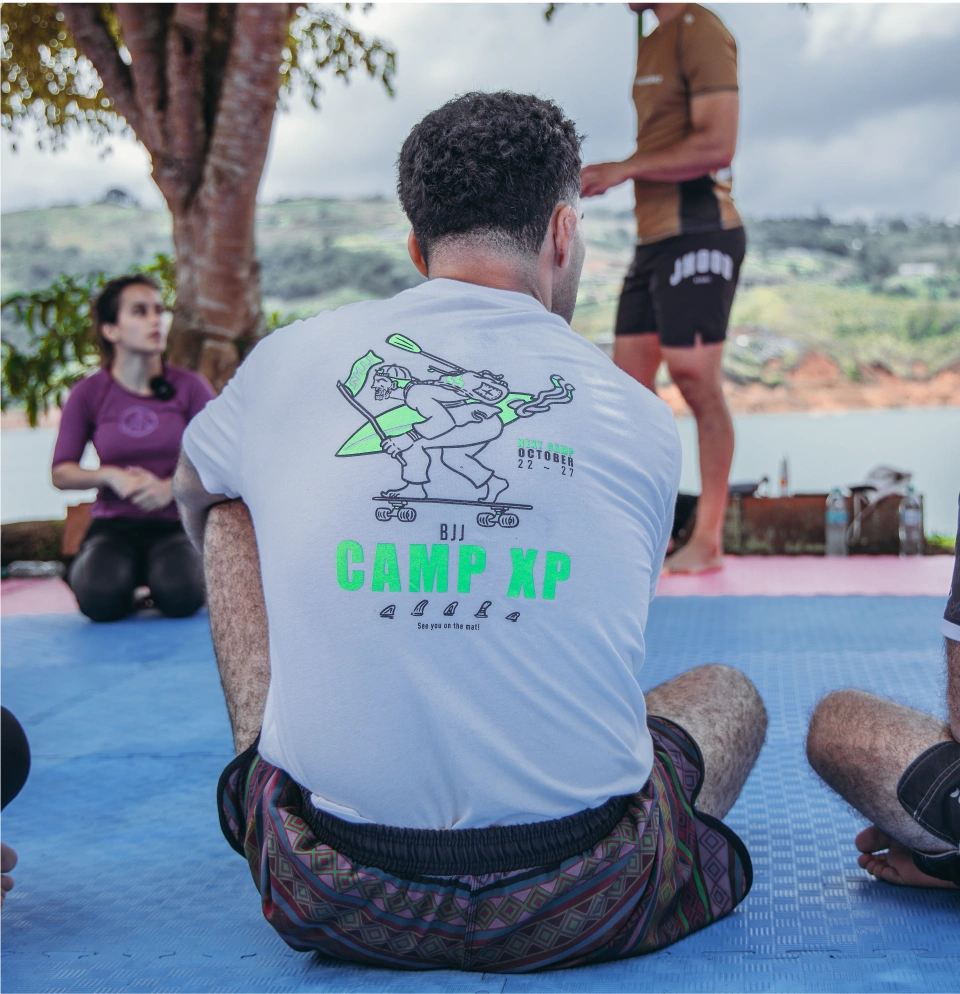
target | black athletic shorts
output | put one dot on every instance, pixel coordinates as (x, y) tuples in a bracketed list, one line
[(951, 614), (929, 791), (681, 287)]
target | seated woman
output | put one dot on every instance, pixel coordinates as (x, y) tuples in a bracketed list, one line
[(134, 410)]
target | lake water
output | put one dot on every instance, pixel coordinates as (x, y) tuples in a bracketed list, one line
[(822, 450)]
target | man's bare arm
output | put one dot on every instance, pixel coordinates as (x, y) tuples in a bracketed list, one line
[(223, 531), (238, 617), (710, 145), (953, 686)]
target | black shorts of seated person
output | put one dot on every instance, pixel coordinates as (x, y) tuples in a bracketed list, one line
[(682, 288), (951, 613), (929, 791), (120, 554)]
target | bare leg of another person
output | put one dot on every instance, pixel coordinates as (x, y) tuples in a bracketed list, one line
[(8, 860), (238, 617), (722, 710), (696, 372), (860, 745), (640, 356)]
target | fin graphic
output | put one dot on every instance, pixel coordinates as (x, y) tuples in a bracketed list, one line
[(513, 615), (451, 609), (482, 613), (388, 611), (417, 612)]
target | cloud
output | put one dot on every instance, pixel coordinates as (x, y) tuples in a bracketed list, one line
[(854, 107), (837, 29), (873, 168)]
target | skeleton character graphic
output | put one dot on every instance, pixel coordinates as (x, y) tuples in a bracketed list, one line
[(452, 416), (460, 418)]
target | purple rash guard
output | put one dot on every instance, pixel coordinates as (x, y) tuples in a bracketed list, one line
[(129, 430)]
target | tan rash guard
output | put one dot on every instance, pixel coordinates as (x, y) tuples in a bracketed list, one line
[(692, 54)]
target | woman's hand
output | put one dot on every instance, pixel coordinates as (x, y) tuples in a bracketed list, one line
[(153, 494), (125, 482)]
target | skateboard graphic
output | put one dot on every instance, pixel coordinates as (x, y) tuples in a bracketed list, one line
[(494, 512)]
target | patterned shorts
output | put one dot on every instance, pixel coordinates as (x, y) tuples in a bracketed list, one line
[(657, 871)]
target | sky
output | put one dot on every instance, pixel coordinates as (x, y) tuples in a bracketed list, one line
[(851, 109)]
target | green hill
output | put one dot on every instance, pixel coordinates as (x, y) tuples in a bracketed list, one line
[(886, 294)]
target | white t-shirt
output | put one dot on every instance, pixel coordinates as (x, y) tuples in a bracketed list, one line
[(468, 659)]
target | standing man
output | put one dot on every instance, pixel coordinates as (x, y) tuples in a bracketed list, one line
[(678, 292)]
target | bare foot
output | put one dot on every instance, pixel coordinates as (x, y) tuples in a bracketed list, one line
[(412, 490), (8, 860), (694, 557), (888, 860)]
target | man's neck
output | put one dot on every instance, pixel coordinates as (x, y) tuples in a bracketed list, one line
[(482, 270), (668, 12)]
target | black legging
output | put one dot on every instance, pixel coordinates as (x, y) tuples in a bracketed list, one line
[(120, 554), (16, 757)]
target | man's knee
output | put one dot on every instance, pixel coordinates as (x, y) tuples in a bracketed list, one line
[(830, 734), (734, 687), (699, 386)]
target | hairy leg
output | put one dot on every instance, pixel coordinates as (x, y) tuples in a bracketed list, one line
[(696, 372), (640, 356), (860, 745), (238, 617), (722, 710)]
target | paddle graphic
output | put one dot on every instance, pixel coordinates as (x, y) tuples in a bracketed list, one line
[(408, 345)]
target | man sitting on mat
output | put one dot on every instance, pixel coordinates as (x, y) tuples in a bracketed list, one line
[(445, 757), (901, 769)]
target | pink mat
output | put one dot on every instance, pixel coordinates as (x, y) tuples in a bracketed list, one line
[(742, 576), (36, 597), (809, 576)]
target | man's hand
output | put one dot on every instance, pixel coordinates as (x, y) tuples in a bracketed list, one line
[(601, 176), (708, 147), (397, 445), (153, 494)]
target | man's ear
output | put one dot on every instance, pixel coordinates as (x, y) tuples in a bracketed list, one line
[(110, 332), (563, 230), (416, 256)]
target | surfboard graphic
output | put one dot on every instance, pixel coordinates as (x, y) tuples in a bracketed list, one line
[(398, 420)]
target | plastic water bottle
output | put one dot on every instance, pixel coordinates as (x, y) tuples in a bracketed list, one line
[(911, 524), (836, 524), (23, 568)]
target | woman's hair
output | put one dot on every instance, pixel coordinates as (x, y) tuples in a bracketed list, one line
[(106, 306)]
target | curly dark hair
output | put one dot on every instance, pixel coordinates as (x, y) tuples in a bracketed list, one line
[(490, 163)]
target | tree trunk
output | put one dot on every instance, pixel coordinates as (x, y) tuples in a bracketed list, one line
[(218, 276), (200, 92), (218, 286)]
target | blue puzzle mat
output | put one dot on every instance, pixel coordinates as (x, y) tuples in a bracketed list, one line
[(126, 884)]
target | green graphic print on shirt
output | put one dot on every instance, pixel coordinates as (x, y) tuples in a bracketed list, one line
[(453, 415)]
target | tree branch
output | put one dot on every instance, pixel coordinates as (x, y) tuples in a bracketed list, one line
[(94, 41), (244, 121), (186, 129), (144, 29)]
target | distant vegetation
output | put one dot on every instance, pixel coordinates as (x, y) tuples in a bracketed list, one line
[(864, 295)]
